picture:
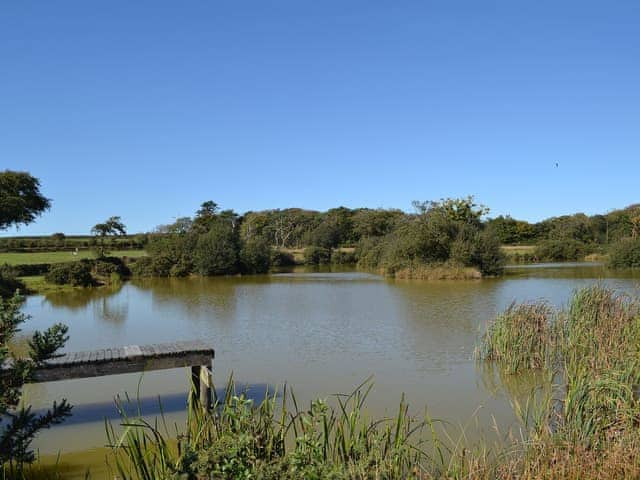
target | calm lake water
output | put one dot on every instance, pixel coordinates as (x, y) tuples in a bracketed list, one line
[(320, 332)]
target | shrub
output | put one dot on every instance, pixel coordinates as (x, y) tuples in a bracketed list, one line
[(369, 252), (317, 256), (152, 266), (565, 250), (255, 256), (625, 253), (280, 258), (21, 424), (340, 257), (28, 270), (487, 254), (216, 252), (9, 284), (77, 274), (182, 268), (106, 266)]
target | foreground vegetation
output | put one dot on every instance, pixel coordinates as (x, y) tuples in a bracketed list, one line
[(18, 423), (587, 427)]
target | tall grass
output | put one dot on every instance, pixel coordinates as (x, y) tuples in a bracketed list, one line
[(275, 438), (592, 421), (522, 337)]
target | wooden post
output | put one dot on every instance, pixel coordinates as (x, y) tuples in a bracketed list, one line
[(195, 384), (206, 397), (201, 386)]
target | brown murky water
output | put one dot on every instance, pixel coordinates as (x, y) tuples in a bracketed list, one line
[(321, 332)]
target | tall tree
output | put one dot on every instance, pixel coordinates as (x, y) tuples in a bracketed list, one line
[(20, 199), (20, 203), (112, 226)]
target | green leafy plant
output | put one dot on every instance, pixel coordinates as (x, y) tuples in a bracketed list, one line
[(21, 423)]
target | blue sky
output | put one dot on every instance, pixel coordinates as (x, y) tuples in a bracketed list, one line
[(146, 109)]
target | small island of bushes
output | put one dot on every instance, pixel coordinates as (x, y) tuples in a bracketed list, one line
[(445, 239)]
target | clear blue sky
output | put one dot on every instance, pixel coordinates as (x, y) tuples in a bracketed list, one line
[(145, 109)]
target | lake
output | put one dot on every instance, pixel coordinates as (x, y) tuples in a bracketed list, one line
[(321, 332)]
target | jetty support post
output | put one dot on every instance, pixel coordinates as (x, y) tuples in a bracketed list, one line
[(201, 385)]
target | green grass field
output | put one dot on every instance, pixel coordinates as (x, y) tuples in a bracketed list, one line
[(13, 258)]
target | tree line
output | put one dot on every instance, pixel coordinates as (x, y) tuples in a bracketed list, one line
[(571, 237), (216, 241)]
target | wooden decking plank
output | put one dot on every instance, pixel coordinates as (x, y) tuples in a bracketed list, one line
[(128, 359)]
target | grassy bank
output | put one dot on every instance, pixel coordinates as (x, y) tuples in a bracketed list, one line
[(436, 272), (37, 285)]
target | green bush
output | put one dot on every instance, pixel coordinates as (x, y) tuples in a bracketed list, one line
[(340, 257), (19, 424), (77, 274), (28, 270), (182, 268), (369, 252), (564, 250), (152, 266), (317, 256), (255, 256), (281, 258), (625, 253), (433, 239), (9, 284), (487, 254), (216, 252), (106, 266)]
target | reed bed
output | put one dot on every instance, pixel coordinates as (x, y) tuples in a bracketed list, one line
[(523, 337), (589, 425)]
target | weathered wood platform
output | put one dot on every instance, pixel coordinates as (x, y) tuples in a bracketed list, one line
[(135, 358), (128, 359)]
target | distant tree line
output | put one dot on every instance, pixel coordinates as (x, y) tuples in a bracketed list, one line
[(218, 242), (571, 237), (60, 241)]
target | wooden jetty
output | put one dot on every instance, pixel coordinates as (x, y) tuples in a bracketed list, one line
[(135, 358)]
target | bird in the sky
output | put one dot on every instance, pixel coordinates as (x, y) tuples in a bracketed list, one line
[(556, 164)]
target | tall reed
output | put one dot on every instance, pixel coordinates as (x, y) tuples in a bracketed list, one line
[(520, 338), (596, 407)]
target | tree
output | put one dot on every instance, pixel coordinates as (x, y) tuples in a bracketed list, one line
[(20, 203), (20, 199), (112, 226), (635, 226), (22, 423), (463, 210), (206, 215), (216, 252)]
